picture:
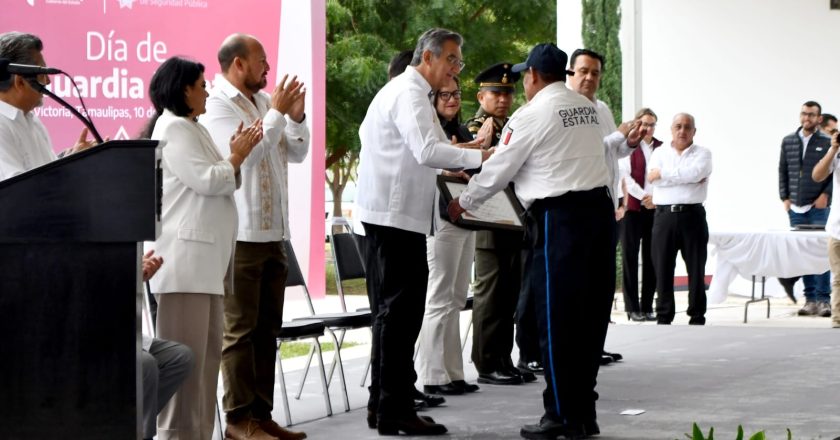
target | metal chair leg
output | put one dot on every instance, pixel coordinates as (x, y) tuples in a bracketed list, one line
[(286, 410), (324, 386), (338, 346), (466, 334), (340, 370), (306, 368)]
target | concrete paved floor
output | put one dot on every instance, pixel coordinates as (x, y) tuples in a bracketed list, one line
[(769, 374)]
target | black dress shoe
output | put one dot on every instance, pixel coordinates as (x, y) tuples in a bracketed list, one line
[(420, 405), (534, 367), (606, 360), (447, 389), (591, 427), (615, 356), (499, 378), (526, 376), (467, 387), (635, 316), (650, 316), (411, 425), (550, 430), (429, 400), (371, 419)]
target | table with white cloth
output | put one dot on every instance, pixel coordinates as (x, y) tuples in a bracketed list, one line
[(771, 253)]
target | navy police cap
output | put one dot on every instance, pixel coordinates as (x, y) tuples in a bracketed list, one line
[(546, 58)]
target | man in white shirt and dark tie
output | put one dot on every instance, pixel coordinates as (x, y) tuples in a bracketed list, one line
[(403, 144), (679, 174)]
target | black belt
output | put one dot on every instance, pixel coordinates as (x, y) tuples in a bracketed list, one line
[(678, 208)]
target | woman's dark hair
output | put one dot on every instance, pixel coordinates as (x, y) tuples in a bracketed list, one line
[(167, 88), (457, 117)]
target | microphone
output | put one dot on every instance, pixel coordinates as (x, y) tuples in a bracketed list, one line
[(7, 68)]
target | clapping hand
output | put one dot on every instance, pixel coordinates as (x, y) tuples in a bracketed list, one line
[(243, 141), (288, 98)]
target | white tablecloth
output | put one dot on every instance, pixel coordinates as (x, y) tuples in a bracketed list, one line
[(778, 253)]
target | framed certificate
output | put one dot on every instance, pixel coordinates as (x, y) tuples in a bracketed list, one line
[(502, 211)]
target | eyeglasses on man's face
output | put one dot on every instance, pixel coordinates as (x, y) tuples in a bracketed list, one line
[(454, 61), (445, 96)]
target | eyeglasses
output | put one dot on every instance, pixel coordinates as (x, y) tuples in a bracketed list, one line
[(809, 114), (649, 124), (445, 96), (453, 60)]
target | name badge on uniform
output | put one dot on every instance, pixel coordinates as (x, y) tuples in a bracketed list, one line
[(819, 149)]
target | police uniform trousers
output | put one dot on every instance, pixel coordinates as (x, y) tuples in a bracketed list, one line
[(450, 256), (573, 282), (527, 333), (636, 234), (497, 283), (680, 228), (397, 273)]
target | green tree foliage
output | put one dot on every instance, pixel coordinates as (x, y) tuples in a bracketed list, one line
[(363, 35), (601, 22)]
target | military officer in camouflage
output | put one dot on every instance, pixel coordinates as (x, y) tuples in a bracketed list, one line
[(496, 86), (497, 254)]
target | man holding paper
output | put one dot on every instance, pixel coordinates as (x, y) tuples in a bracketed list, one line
[(402, 145)]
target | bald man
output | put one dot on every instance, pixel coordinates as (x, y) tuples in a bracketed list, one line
[(679, 174), (254, 310)]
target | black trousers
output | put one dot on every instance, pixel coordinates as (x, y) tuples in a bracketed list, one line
[(573, 282), (636, 231), (527, 333), (397, 274), (688, 233)]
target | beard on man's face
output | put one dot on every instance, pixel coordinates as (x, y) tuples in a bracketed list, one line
[(256, 86)]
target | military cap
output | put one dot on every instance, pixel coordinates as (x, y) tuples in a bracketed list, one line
[(498, 77)]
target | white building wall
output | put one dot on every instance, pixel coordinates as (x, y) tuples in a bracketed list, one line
[(743, 68)]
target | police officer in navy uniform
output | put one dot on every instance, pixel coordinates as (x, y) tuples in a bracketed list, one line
[(553, 150), (498, 254)]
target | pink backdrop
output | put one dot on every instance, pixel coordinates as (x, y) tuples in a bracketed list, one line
[(112, 48)]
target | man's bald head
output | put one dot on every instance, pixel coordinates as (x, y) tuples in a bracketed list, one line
[(235, 45)]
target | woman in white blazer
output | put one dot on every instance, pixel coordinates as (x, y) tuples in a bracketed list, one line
[(198, 231)]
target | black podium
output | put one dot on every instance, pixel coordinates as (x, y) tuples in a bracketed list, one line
[(70, 290)]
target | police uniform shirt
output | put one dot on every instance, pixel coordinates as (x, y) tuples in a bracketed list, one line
[(685, 177), (550, 146), (402, 144)]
